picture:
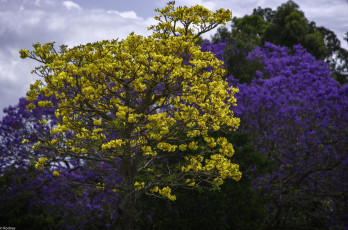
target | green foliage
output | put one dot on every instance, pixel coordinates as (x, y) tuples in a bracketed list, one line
[(246, 33), (238, 65), (266, 13), (221, 34), (314, 44), (250, 29), (290, 27), (335, 56)]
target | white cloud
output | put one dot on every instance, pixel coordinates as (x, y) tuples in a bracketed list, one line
[(129, 14), (48, 23), (211, 5), (125, 14), (70, 5)]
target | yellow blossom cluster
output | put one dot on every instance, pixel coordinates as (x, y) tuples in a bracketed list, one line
[(165, 192), (41, 162), (158, 125), (197, 16), (147, 150), (25, 141), (141, 98), (24, 53), (112, 144), (30, 106), (42, 121), (190, 182), (166, 147), (59, 129), (217, 163), (36, 145), (139, 185), (226, 147), (100, 186), (225, 168), (97, 122), (195, 164), (45, 103)]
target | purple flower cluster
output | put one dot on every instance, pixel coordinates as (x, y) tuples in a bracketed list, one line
[(297, 116), (69, 198)]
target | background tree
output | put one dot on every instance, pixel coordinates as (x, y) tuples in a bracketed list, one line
[(266, 13), (295, 114), (290, 27), (245, 35), (35, 199), (297, 118), (286, 26), (131, 107)]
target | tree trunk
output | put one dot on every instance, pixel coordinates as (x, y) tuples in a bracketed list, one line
[(128, 214)]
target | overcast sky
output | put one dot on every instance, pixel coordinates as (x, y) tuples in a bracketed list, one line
[(25, 22)]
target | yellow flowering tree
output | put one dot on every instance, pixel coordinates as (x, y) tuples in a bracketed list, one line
[(139, 105)]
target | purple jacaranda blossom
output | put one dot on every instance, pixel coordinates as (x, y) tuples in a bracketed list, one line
[(71, 199), (297, 116)]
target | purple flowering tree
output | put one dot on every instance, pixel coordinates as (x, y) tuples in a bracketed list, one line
[(32, 198), (296, 114)]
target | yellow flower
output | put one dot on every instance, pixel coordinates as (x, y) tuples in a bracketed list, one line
[(138, 185), (100, 186), (39, 165), (182, 147), (30, 107), (154, 189), (56, 173), (25, 141), (83, 150), (190, 183), (24, 53), (54, 142), (43, 160), (97, 122), (166, 192), (193, 145), (131, 118)]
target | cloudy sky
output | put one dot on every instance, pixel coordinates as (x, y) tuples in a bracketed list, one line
[(24, 22)]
